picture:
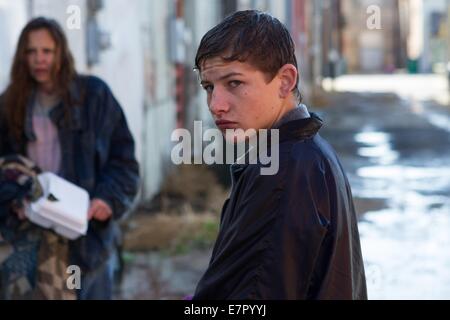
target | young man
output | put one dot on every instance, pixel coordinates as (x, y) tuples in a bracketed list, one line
[(291, 235), (73, 126)]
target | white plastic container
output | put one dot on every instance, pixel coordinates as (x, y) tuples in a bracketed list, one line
[(63, 208)]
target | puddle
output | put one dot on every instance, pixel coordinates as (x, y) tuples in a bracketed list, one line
[(440, 121), (376, 145), (405, 246), (406, 252)]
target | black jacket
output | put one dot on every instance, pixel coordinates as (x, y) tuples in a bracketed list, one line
[(292, 235)]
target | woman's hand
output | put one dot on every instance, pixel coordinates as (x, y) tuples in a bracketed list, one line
[(99, 210)]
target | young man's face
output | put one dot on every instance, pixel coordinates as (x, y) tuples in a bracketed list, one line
[(41, 56), (239, 96)]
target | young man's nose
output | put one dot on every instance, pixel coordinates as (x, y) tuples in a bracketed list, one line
[(218, 103)]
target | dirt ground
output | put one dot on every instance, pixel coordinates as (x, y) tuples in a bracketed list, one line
[(167, 242)]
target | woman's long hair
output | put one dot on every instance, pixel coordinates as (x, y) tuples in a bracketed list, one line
[(22, 84)]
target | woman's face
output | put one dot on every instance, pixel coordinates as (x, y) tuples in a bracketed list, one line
[(41, 57)]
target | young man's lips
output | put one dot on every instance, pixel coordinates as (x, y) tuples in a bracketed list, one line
[(224, 124)]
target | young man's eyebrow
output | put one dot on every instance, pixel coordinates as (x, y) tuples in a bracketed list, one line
[(232, 74)]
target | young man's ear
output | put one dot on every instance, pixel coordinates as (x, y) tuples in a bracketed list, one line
[(288, 75)]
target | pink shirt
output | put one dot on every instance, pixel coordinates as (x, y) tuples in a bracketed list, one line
[(45, 151)]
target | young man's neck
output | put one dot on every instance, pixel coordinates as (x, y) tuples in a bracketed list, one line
[(286, 107)]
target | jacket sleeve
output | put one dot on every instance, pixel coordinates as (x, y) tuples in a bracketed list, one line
[(118, 177)]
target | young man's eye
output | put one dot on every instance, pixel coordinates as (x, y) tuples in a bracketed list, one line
[(234, 83)]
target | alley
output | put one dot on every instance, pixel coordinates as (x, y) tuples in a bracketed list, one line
[(377, 72)]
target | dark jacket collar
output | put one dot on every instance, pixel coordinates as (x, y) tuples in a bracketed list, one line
[(301, 128)]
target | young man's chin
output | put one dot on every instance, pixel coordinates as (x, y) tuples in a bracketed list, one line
[(233, 139), (237, 136)]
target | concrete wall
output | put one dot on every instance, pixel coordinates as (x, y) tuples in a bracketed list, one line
[(13, 15), (159, 103)]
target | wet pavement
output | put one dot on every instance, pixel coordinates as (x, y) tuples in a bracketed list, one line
[(157, 276), (394, 144), (396, 151)]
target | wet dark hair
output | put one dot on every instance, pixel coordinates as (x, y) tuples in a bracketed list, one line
[(250, 36)]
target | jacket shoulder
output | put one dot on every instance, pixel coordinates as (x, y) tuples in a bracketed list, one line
[(312, 150), (92, 83), (98, 95)]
